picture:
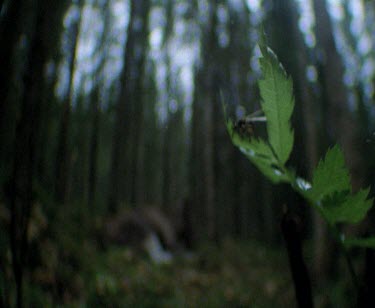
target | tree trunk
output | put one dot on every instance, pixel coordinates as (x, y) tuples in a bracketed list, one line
[(202, 178), (171, 92), (131, 78), (12, 23), (52, 38), (10, 31), (93, 148), (21, 197), (338, 121), (95, 110), (63, 155), (341, 124)]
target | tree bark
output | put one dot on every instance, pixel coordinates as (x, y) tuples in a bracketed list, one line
[(21, 184), (52, 38), (338, 120), (95, 110), (63, 155), (171, 92), (10, 31), (202, 177), (12, 24), (131, 77)]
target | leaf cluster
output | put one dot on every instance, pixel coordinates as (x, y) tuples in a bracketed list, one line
[(330, 190)]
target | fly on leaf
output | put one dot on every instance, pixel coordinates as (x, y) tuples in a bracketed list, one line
[(245, 126)]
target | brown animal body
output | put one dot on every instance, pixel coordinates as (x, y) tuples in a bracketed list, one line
[(146, 228)]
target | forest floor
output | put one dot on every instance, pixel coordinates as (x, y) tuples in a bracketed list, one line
[(72, 269), (238, 274), (234, 275)]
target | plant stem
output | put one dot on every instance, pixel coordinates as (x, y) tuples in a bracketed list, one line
[(293, 182), (351, 268)]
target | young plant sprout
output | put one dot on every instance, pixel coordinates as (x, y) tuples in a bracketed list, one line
[(329, 191)]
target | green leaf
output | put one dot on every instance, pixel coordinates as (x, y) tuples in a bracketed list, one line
[(276, 90), (264, 159), (259, 153), (368, 242), (331, 175), (343, 207), (261, 150)]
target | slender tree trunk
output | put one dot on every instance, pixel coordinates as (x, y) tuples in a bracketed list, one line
[(52, 39), (137, 120), (45, 132), (208, 156), (196, 183), (93, 147), (10, 31), (209, 98), (166, 170), (167, 141), (21, 198), (63, 156), (202, 176), (95, 108), (12, 23), (339, 122), (130, 82)]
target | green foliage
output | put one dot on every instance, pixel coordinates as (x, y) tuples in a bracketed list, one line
[(276, 90), (260, 154), (331, 175), (347, 208), (331, 187), (359, 242), (330, 191)]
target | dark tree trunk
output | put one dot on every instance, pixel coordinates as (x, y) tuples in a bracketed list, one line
[(52, 38), (338, 120), (131, 82), (95, 109), (202, 177), (10, 31), (166, 170), (137, 121), (63, 155), (138, 125), (167, 134), (93, 147), (21, 186), (12, 23)]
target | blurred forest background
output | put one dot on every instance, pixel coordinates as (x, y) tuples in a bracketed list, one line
[(114, 105)]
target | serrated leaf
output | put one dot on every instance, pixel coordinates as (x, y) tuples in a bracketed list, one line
[(259, 153), (344, 207), (276, 90), (368, 242), (331, 175), (263, 158), (262, 150)]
